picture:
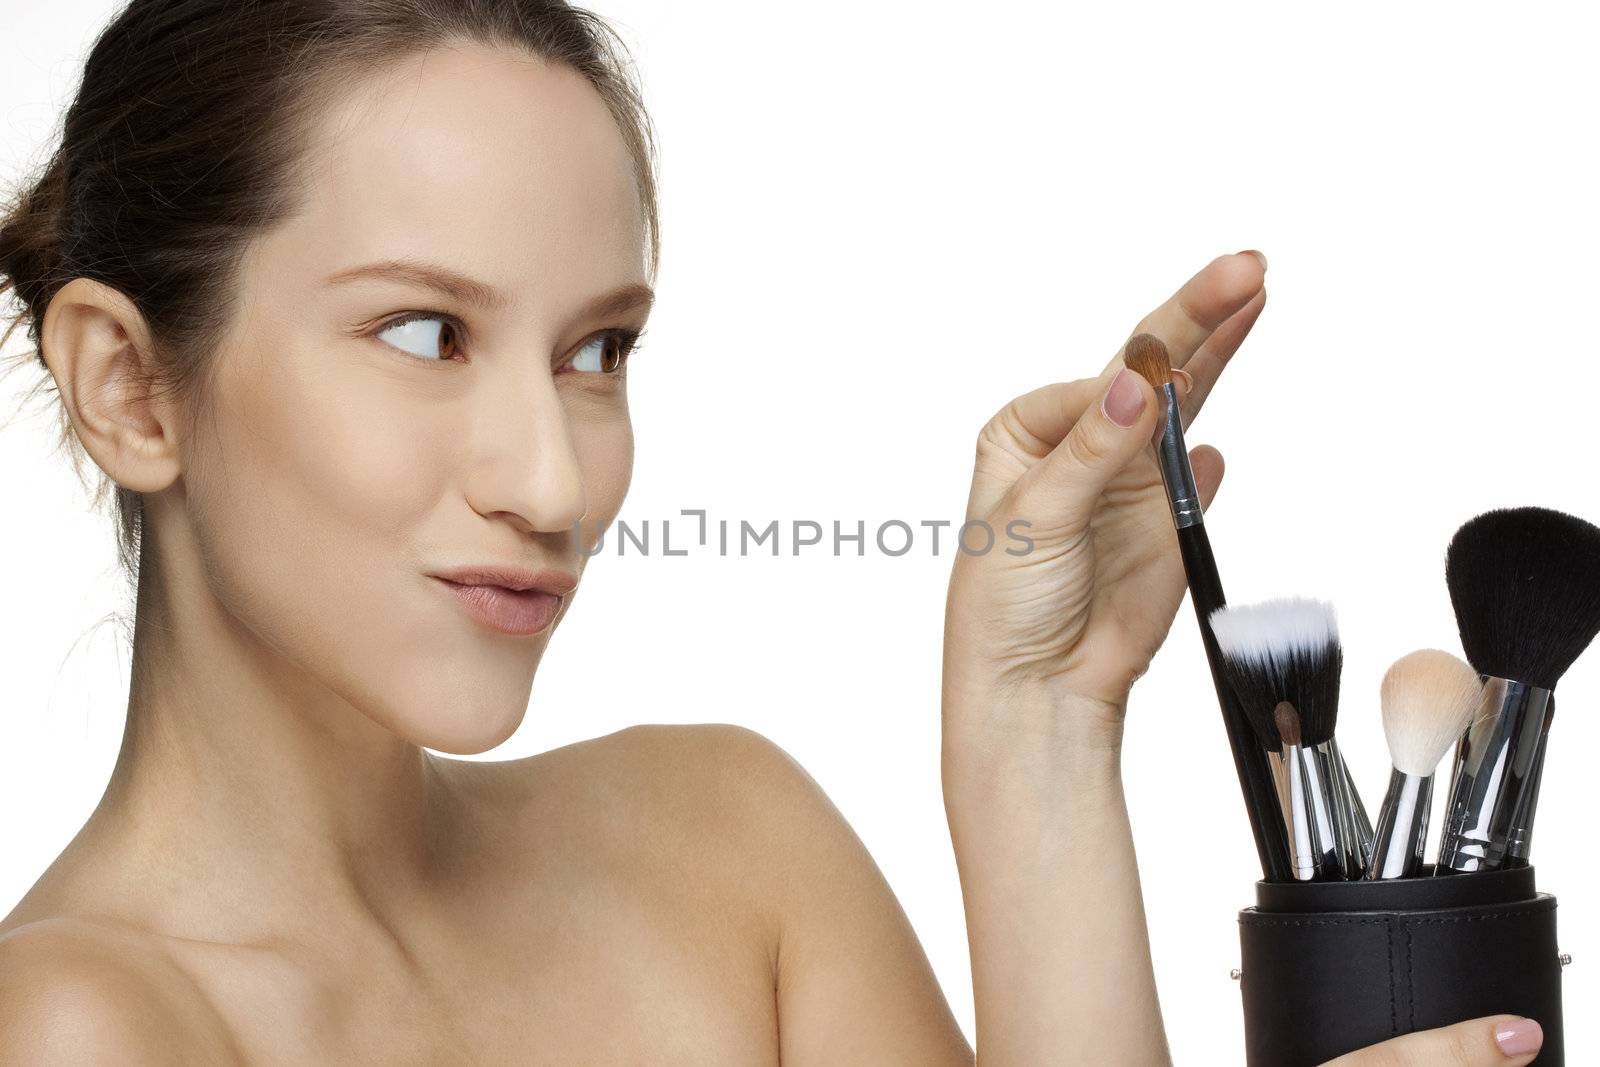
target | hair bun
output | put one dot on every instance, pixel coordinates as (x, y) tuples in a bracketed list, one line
[(30, 246)]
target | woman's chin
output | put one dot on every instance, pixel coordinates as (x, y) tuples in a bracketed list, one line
[(467, 736), (462, 725)]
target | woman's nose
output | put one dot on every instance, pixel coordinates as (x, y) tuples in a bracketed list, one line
[(526, 468)]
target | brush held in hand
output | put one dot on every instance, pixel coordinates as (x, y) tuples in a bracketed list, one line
[(1525, 585), (1147, 356)]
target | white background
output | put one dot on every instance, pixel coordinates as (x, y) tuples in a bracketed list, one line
[(884, 220)]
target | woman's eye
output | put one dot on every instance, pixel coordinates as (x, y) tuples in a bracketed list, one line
[(428, 336), (606, 353)]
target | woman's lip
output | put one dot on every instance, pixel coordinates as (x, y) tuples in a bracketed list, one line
[(509, 611)]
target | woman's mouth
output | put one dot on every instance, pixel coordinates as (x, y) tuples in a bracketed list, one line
[(510, 611)]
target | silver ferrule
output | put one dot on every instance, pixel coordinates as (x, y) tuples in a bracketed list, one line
[(1172, 456), (1520, 840), (1316, 851), (1494, 776), (1287, 788), (1338, 808), (1356, 822), (1402, 827)]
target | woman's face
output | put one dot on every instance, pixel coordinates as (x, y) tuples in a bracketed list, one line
[(353, 454)]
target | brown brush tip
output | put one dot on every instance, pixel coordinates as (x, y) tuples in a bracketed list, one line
[(1288, 721), (1147, 357)]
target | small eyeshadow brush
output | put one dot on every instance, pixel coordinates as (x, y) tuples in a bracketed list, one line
[(1148, 357)]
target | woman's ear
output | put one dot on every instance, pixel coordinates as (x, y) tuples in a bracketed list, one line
[(97, 346)]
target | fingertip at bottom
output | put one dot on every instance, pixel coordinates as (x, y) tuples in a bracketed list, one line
[(1519, 1037)]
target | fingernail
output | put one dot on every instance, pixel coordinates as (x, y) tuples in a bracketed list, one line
[(1253, 252), (1520, 1037), (1185, 380), (1123, 401)]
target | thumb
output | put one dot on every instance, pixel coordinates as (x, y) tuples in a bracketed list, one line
[(1064, 486), (1495, 1041)]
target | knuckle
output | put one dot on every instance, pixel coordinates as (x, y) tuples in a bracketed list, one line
[(1083, 448), (989, 433)]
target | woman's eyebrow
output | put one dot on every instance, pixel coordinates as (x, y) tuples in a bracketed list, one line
[(460, 287), (441, 279)]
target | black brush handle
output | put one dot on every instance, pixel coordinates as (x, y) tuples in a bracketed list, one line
[(1249, 756)]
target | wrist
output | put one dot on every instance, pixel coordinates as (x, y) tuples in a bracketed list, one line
[(1033, 733)]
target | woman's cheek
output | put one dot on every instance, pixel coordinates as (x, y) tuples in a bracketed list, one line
[(605, 454)]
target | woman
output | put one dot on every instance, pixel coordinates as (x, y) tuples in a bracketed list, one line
[(339, 295)]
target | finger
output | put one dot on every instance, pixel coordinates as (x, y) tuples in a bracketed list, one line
[(1022, 433), (1496, 1041), (1208, 467), (1063, 488), (1207, 364), (1200, 305)]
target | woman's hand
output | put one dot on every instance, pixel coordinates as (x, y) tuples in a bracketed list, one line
[(1496, 1041), (1040, 651), (1073, 621)]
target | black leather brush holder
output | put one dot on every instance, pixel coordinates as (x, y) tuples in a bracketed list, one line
[(1330, 967)]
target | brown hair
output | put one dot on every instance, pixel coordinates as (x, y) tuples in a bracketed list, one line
[(188, 135)]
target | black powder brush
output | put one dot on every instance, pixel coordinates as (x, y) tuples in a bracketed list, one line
[(1525, 585)]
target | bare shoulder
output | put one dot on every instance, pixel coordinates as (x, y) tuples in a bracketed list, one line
[(707, 769), (74, 991), (654, 784), (724, 821), (853, 984), (717, 754), (713, 803), (719, 778)]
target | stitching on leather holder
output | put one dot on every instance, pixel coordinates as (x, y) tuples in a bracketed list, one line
[(1394, 1022), (1411, 975)]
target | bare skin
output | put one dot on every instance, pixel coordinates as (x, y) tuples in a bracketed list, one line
[(660, 895), (279, 873)]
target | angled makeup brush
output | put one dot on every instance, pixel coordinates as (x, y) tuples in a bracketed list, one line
[(1525, 584), (1146, 356), (1429, 697), (1282, 658)]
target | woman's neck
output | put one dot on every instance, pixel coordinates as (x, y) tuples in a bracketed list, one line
[(244, 780)]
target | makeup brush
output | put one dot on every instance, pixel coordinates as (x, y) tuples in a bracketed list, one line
[(1316, 735), (1314, 833), (1429, 697), (1308, 824), (1525, 584), (1522, 823), (1282, 658), (1146, 356), (1364, 836)]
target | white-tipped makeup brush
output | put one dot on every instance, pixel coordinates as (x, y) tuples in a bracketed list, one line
[(1282, 659), (1429, 698)]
